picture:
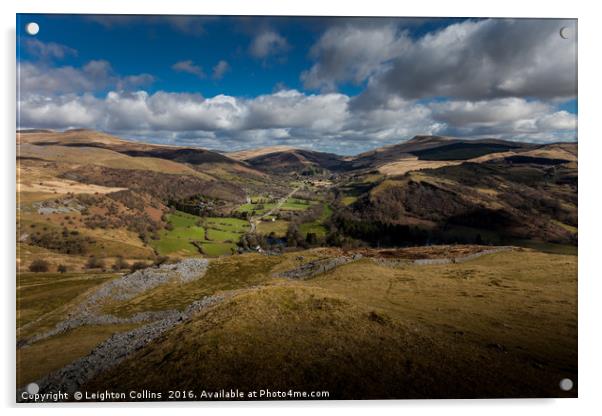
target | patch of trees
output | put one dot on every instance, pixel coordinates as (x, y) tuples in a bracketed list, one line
[(199, 205), (120, 264), (68, 242), (163, 186), (94, 262), (39, 266), (349, 231), (140, 223), (250, 242), (129, 199)]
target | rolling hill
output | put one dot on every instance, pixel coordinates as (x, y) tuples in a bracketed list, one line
[(433, 148), (511, 197), (278, 160), (384, 275)]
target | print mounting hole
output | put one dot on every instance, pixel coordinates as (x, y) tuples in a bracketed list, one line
[(566, 384), (32, 28)]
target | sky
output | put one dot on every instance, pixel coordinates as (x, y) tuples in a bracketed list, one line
[(341, 85)]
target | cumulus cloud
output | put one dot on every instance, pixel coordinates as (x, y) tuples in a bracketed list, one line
[(474, 59), (290, 108), (268, 43), (189, 67), (507, 118), (47, 50), (96, 75), (220, 69), (352, 53), (326, 121)]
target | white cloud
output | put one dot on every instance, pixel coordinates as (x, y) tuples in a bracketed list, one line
[(268, 43), (220, 69), (471, 60), (96, 75), (189, 67), (290, 108), (47, 50), (350, 53), (327, 121), (507, 118)]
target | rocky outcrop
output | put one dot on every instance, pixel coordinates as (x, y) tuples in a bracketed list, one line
[(111, 352), (316, 267), (461, 259), (89, 311)]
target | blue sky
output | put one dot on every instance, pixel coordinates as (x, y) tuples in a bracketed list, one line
[(336, 84)]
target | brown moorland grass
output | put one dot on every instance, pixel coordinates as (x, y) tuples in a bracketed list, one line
[(54, 353), (42, 296), (307, 338), (505, 322), (522, 302)]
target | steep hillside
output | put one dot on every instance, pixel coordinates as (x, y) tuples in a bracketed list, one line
[(433, 148), (512, 197)]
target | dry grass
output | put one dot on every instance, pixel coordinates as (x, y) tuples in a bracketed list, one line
[(506, 322), (403, 166), (251, 153), (105, 157), (412, 163), (348, 340), (525, 301), (27, 253), (35, 183), (44, 299), (54, 353)]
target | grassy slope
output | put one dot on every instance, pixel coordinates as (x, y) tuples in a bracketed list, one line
[(42, 358), (41, 293), (506, 322)]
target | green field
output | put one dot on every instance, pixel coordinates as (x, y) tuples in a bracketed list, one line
[(295, 204), (317, 227), (278, 227), (255, 207), (291, 204), (178, 241), (220, 237)]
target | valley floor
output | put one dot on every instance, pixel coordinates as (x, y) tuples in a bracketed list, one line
[(430, 322)]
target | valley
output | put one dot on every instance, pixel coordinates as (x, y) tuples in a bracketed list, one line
[(380, 275)]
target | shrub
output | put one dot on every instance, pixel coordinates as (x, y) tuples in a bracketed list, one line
[(120, 264), (95, 263), (61, 268), (39, 266), (161, 260), (138, 266)]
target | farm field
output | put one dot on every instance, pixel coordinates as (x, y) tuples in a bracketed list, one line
[(259, 207), (317, 227), (217, 236)]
